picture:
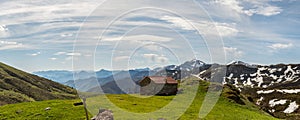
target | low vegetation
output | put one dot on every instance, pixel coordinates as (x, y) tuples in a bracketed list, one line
[(17, 86), (50, 110), (231, 105), (228, 107)]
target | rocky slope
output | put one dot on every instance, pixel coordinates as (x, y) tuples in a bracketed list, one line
[(274, 88), (18, 86)]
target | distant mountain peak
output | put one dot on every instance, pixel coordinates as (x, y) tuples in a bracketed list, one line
[(236, 62), (241, 63), (192, 64)]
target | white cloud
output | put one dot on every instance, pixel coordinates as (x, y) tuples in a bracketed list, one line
[(224, 29), (139, 38), (121, 58), (278, 46), (156, 58), (66, 35), (53, 59), (205, 27), (35, 22), (44, 12), (251, 7), (74, 57), (73, 54), (67, 53), (3, 31), (60, 53), (179, 22), (53, 24), (3, 28), (35, 54), (6, 45), (269, 10), (233, 4), (233, 53), (69, 58)]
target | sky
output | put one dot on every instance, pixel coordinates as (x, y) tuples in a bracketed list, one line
[(116, 34)]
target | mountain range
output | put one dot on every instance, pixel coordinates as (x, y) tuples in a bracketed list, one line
[(274, 88), (107, 79)]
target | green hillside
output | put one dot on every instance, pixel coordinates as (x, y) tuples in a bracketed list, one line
[(231, 105), (17, 86), (59, 110), (226, 108)]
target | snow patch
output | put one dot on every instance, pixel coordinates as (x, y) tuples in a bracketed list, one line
[(280, 69), (291, 108), (202, 72), (281, 91), (253, 75), (230, 76), (248, 82), (197, 76), (260, 81), (272, 70), (289, 91), (273, 102), (289, 73), (265, 92), (272, 111), (274, 76)]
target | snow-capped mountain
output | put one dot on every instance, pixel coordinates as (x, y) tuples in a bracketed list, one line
[(193, 64), (241, 63), (275, 88), (258, 77), (183, 70)]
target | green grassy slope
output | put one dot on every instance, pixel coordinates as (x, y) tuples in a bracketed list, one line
[(64, 109), (59, 110), (231, 105), (227, 107), (18, 86)]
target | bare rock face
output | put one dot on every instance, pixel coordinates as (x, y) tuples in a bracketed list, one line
[(104, 114)]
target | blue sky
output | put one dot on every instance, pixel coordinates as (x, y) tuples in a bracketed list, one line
[(40, 35)]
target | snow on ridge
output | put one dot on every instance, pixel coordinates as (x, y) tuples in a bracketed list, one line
[(262, 68), (197, 76), (265, 92), (232, 62), (262, 72), (289, 91), (289, 77), (292, 91), (275, 102), (202, 72), (272, 70), (291, 108)]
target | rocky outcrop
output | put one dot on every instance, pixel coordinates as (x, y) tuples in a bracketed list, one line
[(274, 88), (104, 114)]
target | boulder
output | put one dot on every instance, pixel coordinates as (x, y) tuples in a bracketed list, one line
[(104, 114)]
